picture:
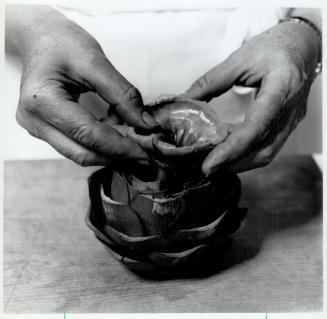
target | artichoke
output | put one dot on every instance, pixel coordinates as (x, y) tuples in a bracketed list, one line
[(178, 216)]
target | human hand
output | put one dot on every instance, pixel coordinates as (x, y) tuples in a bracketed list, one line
[(61, 61), (188, 130), (281, 63)]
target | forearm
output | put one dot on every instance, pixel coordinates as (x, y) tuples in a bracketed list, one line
[(26, 24)]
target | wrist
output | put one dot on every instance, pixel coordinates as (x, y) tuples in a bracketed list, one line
[(26, 25), (316, 34), (306, 40)]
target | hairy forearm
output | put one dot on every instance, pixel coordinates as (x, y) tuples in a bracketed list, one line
[(26, 24)]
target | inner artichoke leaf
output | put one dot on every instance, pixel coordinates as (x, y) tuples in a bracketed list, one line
[(189, 126), (189, 130)]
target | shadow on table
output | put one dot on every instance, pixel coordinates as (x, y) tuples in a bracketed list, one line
[(287, 194)]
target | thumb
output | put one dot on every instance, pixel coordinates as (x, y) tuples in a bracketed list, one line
[(216, 81), (114, 88)]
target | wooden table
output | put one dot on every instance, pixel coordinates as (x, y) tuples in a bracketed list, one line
[(53, 263)]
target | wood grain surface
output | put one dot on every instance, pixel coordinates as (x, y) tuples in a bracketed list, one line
[(53, 263)]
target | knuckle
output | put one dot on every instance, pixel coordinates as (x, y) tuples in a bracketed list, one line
[(294, 75), (27, 103), (201, 89), (264, 130), (82, 134), (131, 94), (233, 140), (293, 70), (33, 133), (202, 82), (32, 97), (265, 157), (83, 159), (21, 119), (256, 131)]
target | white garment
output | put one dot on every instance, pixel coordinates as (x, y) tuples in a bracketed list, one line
[(163, 46), (160, 46)]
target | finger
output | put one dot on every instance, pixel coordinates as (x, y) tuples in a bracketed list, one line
[(216, 81), (168, 150), (268, 151), (258, 123), (163, 98), (113, 118), (262, 157), (186, 156), (60, 142), (145, 141), (237, 144), (78, 124), (117, 91)]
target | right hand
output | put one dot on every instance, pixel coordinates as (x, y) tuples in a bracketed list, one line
[(61, 61), (280, 63)]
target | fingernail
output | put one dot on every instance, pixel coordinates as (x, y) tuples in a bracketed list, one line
[(206, 167), (212, 171), (208, 173), (209, 168), (148, 119)]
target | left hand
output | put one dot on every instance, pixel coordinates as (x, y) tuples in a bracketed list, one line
[(60, 62), (280, 63)]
